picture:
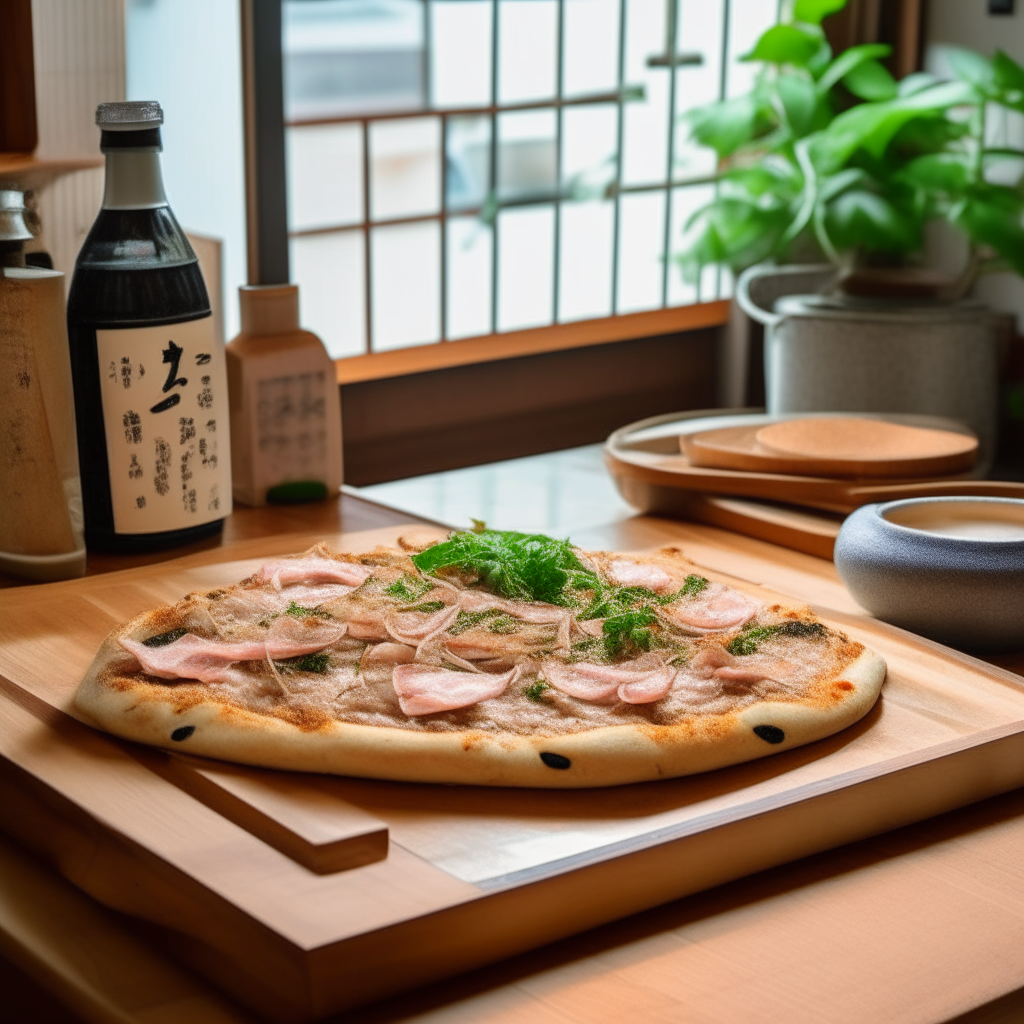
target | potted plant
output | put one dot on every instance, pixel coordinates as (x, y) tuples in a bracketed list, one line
[(831, 161)]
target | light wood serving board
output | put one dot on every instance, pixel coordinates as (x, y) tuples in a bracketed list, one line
[(654, 476), (825, 446), (304, 896)]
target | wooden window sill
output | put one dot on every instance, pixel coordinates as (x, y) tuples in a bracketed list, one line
[(492, 347)]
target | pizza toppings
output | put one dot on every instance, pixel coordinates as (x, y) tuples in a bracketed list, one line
[(387, 654), (715, 609), (642, 681), (392, 636), (211, 661), (625, 573), (427, 689), (288, 571)]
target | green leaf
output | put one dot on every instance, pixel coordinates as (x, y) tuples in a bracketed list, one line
[(942, 172), (915, 83), (785, 44), (832, 186), (736, 232), (872, 126), (971, 67), (991, 223), (870, 81), (814, 11), (1008, 74), (859, 218), (799, 100), (849, 59), (724, 126), (521, 566)]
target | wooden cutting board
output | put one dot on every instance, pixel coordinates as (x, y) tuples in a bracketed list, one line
[(844, 446), (217, 858)]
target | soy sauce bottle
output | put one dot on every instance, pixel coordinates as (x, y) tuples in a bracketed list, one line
[(150, 382)]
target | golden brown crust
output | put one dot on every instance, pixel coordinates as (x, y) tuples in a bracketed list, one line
[(194, 717)]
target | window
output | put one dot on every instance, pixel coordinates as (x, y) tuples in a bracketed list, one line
[(465, 168)]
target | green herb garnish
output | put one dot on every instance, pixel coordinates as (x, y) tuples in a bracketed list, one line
[(409, 588), (299, 612), (627, 633), (535, 691), (747, 643), (426, 606), (163, 639), (467, 620), (504, 625), (520, 566), (693, 586), (317, 663)]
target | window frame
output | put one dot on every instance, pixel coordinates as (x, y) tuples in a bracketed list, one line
[(268, 234)]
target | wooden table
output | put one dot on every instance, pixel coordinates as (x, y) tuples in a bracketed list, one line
[(925, 924)]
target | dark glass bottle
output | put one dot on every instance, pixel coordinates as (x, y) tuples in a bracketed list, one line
[(148, 370)]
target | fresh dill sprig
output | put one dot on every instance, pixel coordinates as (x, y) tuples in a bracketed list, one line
[(627, 633)]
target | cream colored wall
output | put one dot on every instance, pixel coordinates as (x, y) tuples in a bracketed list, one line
[(78, 46)]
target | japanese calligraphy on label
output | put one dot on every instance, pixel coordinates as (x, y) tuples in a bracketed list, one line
[(291, 427), (165, 412)]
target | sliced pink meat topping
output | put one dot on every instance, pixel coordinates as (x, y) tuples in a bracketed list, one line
[(287, 571), (627, 573), (535, 613), (424, 690), (388, 654), (367, 623), (209, 661), (415, 627), (641, 681), (713, 610), (718, 663)]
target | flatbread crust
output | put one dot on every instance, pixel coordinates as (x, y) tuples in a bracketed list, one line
[(115, 697)]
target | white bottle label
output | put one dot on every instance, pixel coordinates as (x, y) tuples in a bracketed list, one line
[(165, 414)]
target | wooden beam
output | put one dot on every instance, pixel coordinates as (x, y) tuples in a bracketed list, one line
[(18, 130), (491, 347)]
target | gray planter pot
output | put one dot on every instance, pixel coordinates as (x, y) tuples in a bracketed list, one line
[(826, 353)]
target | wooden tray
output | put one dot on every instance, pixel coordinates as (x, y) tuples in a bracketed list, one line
[(280, 887), (654, 476), (801, 529)]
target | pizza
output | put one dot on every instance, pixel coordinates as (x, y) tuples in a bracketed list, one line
[(489, 658)]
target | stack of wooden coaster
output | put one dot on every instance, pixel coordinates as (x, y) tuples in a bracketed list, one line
[(791, 480)]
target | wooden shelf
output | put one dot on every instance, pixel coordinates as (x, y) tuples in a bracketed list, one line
[(25, 171)]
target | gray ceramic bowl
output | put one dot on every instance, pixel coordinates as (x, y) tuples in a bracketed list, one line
[(948, 568)]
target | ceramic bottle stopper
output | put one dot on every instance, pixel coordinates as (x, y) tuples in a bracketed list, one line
[(285, 406), (41, 529)]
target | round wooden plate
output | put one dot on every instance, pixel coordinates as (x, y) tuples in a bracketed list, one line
[(834, 446)]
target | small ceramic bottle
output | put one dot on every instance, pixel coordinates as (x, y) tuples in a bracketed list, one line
[(41, 525), (285, 405)]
